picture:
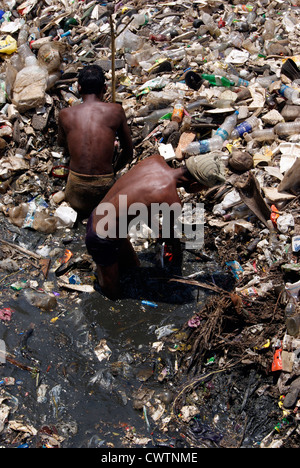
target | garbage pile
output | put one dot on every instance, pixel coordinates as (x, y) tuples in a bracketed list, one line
[(194, 78)]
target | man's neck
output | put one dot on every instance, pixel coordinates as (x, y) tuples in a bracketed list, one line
[(92, 97)]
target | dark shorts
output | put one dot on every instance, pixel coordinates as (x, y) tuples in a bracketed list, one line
[(104, 251)]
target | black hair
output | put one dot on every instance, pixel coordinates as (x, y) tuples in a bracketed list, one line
[(91, 79)]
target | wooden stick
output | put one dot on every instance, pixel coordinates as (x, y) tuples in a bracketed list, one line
[(21, 249), (113, 58)]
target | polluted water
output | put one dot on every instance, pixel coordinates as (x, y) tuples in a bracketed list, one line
[(199, 355)]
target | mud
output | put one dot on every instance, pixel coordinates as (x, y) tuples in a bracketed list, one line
[(83, 402)]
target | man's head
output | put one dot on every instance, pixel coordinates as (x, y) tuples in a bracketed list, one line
[(204, 170), (91, 80)]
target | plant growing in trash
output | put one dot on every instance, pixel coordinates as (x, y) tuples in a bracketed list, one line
[(184, 222)]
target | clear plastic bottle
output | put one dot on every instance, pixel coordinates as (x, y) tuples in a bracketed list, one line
[(250, 44), (177, 54), (141, 19), (266, 134), (239, 81), (245, 127), (155, 116), (216, 142), (227, 127), (293, 325), (27, 55), (23, 35), (70, 98), (290, 94), (287, 128), (266, 81), (251, 17), (291, 308), (210, 23), (269, 29), (205, 146), (236, 39)]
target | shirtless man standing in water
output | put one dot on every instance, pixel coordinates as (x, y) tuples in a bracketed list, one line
[(151, 181), (88, 131)]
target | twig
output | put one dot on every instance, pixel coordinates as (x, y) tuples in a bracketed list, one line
[(21, 249), (113, 58)]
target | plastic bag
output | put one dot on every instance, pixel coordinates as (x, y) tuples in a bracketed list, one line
[(29, 88), (49, 57), (8, 45)]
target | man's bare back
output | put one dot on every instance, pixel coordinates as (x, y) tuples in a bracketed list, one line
[(151, 181), (90, 130)]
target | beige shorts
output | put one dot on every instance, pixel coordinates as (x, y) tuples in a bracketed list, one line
[(85, 192)]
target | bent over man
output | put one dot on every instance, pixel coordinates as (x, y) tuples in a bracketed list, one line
[(88, 131), (151, 181)]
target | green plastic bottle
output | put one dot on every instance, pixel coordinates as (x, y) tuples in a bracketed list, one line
[(217, 80)]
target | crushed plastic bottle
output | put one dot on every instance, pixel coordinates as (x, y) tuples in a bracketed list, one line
[(216, 142)]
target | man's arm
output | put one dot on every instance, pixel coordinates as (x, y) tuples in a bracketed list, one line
[(126, 154)]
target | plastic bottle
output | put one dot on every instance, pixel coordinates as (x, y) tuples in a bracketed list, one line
[(266, 81), (245, 127), (178, 112), (266, 134), (217, 80), (287, 128), (290, 94), (70, 98), (210, 23), (23, 35), (2, 92), (140, 19), (251, 17), (174, 55), (155, 116), (150, 304), (27, 55), (290, 308), (269, 29), (216, 142), (239, 81), (271, 101), (238, 212), (249, 44), (227, 127), (293, 325)]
